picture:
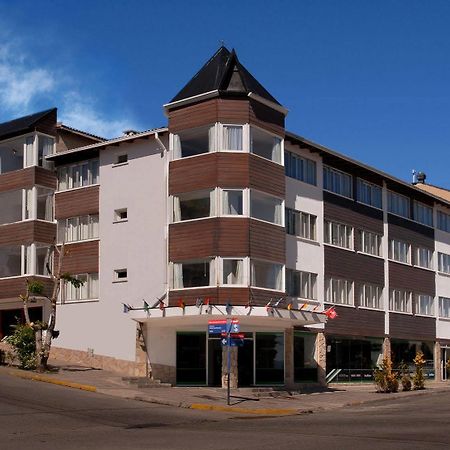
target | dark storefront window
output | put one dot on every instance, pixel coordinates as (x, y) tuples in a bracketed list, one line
[(191, 358), (405, 352), (305, 366), (269, 367)]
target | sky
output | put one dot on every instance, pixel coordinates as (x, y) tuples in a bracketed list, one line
[(369, 79)]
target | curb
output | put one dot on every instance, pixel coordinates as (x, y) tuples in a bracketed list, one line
[(46, 379), (262, 411)]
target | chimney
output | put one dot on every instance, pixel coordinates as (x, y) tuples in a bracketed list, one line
[(129, 132)]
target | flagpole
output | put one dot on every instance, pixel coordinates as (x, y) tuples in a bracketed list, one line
[(228, 361)]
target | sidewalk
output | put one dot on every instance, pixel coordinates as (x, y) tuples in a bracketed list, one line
[(243, 400)]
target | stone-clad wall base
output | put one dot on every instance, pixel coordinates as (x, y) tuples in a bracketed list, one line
[(128, 368), (167, 374)]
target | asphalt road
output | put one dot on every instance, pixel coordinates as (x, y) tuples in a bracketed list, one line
[(38, 416)]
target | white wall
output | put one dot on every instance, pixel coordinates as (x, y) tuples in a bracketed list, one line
[(139, 245)]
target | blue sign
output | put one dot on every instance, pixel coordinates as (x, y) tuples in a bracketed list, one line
[(217, 328), (223, 326)]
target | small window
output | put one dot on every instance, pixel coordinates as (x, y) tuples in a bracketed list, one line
[(400, 301), (300, 168), (193, 274), (232, 137), (369, 193), (423, 214), (233, 271), (193, 205), (300, 224), (398, 204), (443, 221), (338, 182), (444, 307), (370, 243), (265, 145), (194, 141), (267, 275), (338, 234), (425, 305), (443, 263), (424, 257), (370, 296), (301, 284), (121, 215), (232, 202), (121, 275), (399, 251), (339, 291), (122, 159), (266, 207)]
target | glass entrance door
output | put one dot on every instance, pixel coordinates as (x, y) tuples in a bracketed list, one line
[(214, 362), (245, 364), (191, 358)]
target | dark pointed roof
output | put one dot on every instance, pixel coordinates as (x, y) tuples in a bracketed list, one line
[(23, 124), (224, 73)]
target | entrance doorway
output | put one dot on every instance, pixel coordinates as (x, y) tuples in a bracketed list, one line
[(214, 362), (246, 364)]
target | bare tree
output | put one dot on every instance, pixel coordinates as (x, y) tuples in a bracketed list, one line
[(45, 331)]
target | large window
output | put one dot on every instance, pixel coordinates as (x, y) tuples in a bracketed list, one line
[(400, 301), (82, 174), (425, 305), (339, 291), (193, 205), (443, 263), (11, 206), (11, 257), (266, 207), (267, 275), (398, 204), (444, 307), (232, 137), (336, 181), (301, 284), (265, 145), (369, 193), (195, 141), (301, 224), (338, 234), (424, 257), (88, 291), (399, 251), (78, 228), (423, 214), (44, 204), (370, 243), (18, 260), (269, 358), (443, 221), (232, 202), (300, 168), (233, 271), (370, 296), (193, 274)]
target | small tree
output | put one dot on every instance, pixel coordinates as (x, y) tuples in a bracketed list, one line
[(418, 377), (22, 340), (385, 378), (405, 377), (44, 332)]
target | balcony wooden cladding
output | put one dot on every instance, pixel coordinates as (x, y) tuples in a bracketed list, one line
[(82, 257), (405, 326), (11, 288), (411, 232), (28, 232), (77, 202), (420, 281), (220, 236), (226, 111), (356, 322), (226, 170), (223, 295), (27, 178)]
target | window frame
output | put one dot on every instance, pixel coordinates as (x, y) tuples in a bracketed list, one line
[(292, 160), (363, 234), (329, 227), (417, 251), (349, 291), (360, 182), (268, 133), (92, 175), (338, 173), (91, 277), (418, 311), (419, 206), (310, 284), (265, 194), (391, 252), (407, 299), (442, 301), (378, 299), (391, 195), (297, 218)]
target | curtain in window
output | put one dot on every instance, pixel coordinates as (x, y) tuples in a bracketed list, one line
[(29, 156), (232, 138), (278, 277), (178, 276), (278, 218), (176, 209), (212, 139), (212, 203), (276, 150), (252, 274), (29, 204), (239, 272), (232, 202), (176, 142), (49, 207)]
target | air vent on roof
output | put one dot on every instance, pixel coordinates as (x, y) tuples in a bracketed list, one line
[(129, 132), (421, 177)]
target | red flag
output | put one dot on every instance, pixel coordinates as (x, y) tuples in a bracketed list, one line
[(303, 306), (207, 300), (289, 307), (316, 307), (181, 304), (331, 313), (161, 305)]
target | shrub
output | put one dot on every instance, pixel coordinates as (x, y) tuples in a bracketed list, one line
[(385, 378), (405, 377), (23, 342), (418, 377)]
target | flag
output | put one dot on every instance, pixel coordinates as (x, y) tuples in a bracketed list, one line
[(146, 306), (316, 307), (207, 301), (161, 305), (278, 302), (126, 308), (331, 313), (289, 307), (198, 302), (181, 304), (303, 306), (269, 305)]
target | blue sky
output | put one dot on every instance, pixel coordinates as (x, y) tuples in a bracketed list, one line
[(367, 78)]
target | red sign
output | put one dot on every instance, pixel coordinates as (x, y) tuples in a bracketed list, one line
[(221, 321)]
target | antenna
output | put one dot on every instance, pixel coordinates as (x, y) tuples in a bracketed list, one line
[(414, 176)]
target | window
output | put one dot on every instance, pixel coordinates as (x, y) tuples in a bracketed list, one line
[(78, 175), (120, 275), (300, 168), (424, 257), (121, 215), (121, 159), (399, 251), (370, 243), (423, 214), (443, 263), (339, 291), (301, 284), (193, 205), (370, 296), (301, 224), (232, 137), (78, 228), (88, 291), (425, 305), (265, 145), (398, 204), (232, 202), (44, 209), (336, 181), (400, 301), (267, 275), (11, 206), (369, 193), (43, 260), (195, 141), (444, 307), (11, 257), (45, 148), (193, 274), (338, 234), (443, 221), (266, 207), (232, 271)]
